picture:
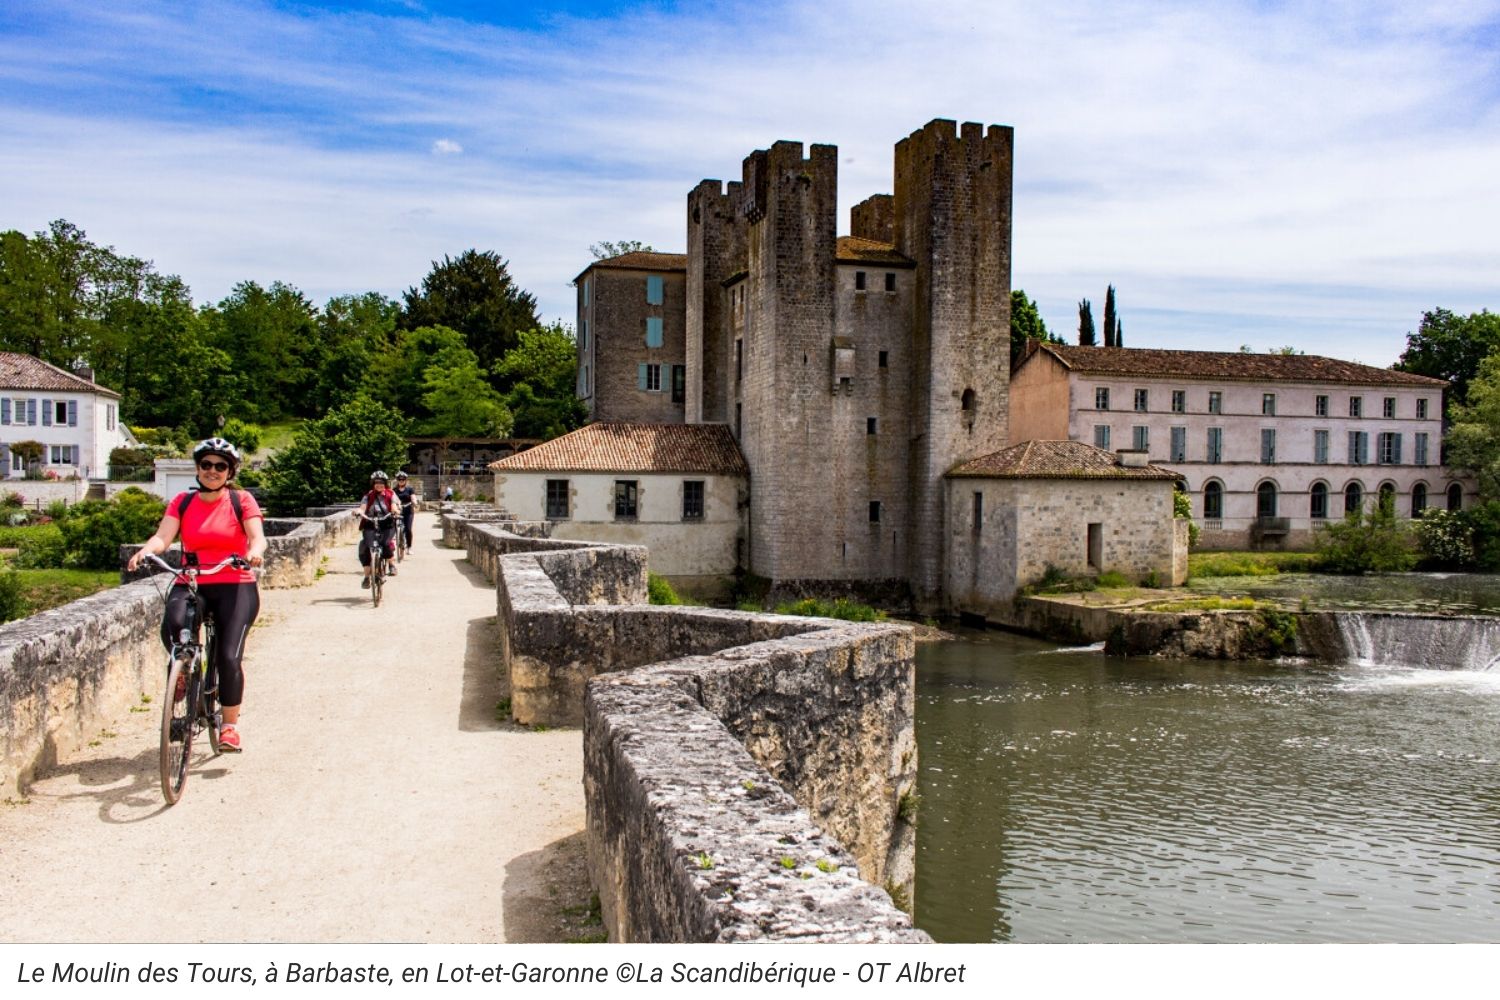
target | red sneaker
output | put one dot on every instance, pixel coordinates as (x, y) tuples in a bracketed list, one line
[(229, 738)]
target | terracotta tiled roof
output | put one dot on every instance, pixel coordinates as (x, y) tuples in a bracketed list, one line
[(1056, 460), (857, 249), (22, 371), (610, 447), (1239, 366), (641, 260)]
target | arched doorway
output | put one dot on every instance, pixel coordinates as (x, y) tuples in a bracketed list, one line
[(1418, 499), (1318, 504), (1265, 500), (1354, 498), (1456, 497), (1213, 500)]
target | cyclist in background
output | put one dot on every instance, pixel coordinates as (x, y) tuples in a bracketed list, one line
[(215, 522), (377, 503), (407, 494)]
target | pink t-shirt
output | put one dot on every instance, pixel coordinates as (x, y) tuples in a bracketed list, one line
[(210, 529)]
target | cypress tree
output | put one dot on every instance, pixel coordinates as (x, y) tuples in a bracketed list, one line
[(1085, 324), (1109, 318)]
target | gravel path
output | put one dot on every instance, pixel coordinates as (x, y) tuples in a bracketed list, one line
[(378, 797)]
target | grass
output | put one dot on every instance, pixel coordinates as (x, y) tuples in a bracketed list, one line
[(842, 609), (1207, 604), (1201, 564), (275, 437), (43, 589)]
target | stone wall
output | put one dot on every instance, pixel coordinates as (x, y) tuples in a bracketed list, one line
[(66, 672), (727, 754)]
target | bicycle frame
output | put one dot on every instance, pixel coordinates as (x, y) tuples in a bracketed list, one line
[(378, 558)]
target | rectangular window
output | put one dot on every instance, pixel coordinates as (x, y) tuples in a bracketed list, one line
[(890, 281), (1142, 400), (692, 499), (1359, 446), (739, 360), (1421, 456), (1388, 407), (56, 454), (1320, 406), (1101, 398), (885, 359), (978, 511), (1267, 446), (1179, 401), (859, 281), (1268, 404), (111, 411), (72, 413), (583, 335), (17, 463), (870, 425), (1320, 447), (1101, 436), (46, 413), (653, 331), (874, 511), (648, 377), (654, 290), (1356, 406), (5, 410), (1216, 444), (1215, 402), (625, 496), (1421, 409), (679, 383), (557, 499), (1140, 438), (1388, 449), (1179, 444)]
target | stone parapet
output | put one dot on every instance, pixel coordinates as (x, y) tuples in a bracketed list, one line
[(747, 776)]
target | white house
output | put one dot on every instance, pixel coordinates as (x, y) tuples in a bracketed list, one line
[(1269, 446), (73, 418), (680, 489)]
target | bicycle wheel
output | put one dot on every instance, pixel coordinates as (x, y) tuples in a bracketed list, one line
[(177, 717), (377, 579)]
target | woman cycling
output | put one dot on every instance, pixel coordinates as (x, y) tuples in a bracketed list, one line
[(408, 497), (379, 502), (215, 522)]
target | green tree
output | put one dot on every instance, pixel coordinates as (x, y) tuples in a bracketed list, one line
[(1110, 319), (538, 377), (354, 330), (94, 530), (475, 295), (605, 249), (1085, 324), (1451, 347), (396, 376), (331, 458), (461, 400), (1026, 324), (270, 336), (1473, 441)]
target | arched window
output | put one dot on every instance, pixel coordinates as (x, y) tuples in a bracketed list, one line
[(1456, 497), (1265, 500), (1319, 504), (970, 403), (1387, 497), (1354, 497), (1418, 499), (1213, 501)]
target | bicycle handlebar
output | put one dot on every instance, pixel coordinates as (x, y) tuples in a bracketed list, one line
[(238, 562)]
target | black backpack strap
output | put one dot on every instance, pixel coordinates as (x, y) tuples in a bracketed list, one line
[(182, 505), (234, 501)]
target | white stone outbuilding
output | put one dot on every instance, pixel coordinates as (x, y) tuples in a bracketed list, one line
[(679, 489), (1064, 504)]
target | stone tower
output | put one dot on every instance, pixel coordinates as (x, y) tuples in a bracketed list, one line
[(715, 250), (952, 217)]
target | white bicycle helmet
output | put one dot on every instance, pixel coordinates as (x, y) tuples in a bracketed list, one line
[(218, 446)]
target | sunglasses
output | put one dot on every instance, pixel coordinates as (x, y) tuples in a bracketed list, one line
[(208, 466)]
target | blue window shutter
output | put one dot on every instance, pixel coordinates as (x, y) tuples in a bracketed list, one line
[(653, 290), (653, 331), (31, 412), (640, 376), (5, 410), (46, 413), (72, 413)]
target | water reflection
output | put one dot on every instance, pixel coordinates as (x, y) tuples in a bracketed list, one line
[(1069, 796)]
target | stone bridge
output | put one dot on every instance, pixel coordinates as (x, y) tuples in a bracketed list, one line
[(734, 777)]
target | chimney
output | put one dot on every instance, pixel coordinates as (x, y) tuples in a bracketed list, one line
[(84, 372), (1130, 458)]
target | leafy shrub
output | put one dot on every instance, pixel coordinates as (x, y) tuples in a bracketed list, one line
[(660, 591), (1277, 630), (244, 436), (1202, 564), (94, 531), (168, 441), (58, 510), (842, 609), (1446, 539), (250, 478), (12, 501), (1109, 578), (12, 596), (42, 548), (330, 459), (1367, 543)]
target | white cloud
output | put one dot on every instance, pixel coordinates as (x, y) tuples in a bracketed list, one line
[(1301, 173)]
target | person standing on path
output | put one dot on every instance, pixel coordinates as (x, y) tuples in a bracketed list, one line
[(216, 521)]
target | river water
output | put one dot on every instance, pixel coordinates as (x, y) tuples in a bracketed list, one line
[(1071, 797)]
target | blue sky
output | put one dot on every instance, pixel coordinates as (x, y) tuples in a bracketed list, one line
[(1314, 174)]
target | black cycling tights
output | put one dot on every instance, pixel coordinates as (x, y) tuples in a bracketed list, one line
[(233, 607)]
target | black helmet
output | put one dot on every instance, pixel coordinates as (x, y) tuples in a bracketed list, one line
[(218, 446), (379, 477)]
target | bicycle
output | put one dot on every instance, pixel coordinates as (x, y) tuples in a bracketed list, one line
[(401, 539), (378, 558), (182, 719)]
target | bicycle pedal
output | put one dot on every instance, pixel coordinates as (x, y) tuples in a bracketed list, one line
[(175, 736)]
